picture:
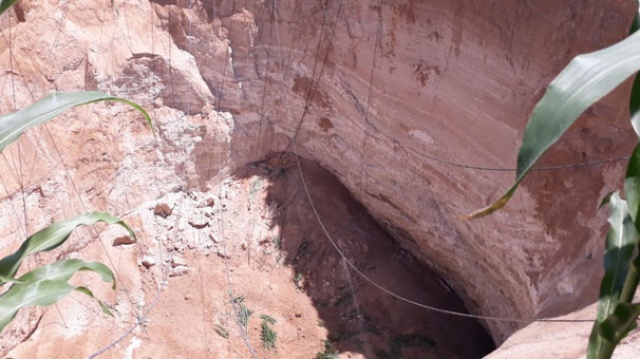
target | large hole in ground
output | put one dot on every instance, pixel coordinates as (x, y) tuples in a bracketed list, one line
[(251, 248), (359, 317)]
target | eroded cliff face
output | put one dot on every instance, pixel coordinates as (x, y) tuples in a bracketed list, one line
[(417, 107)]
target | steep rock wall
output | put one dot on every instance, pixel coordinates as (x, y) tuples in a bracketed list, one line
[(386, 95)]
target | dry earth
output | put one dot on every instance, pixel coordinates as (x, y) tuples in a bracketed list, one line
[(260, 227)]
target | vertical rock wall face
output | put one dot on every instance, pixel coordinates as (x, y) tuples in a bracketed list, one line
[(403, 101)]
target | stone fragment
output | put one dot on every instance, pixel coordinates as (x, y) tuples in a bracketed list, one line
[(177, 261), (215, 238), (198, 223), (163, 210), (208, 202), (221, 253), (148, 261), (179, 271), (124, 240)]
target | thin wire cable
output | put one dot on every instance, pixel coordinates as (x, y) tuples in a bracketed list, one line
[(397, 296), (365, 133), (442, 161), (86, 209), (312, 90), (379, 286), (232, 297), (19, 168), (139, 322), (510, 169), (21, 225), (141, 318), (557, 25), (243, 333)]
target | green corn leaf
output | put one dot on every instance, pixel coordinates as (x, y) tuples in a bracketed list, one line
[(632, 191), (632, 185), (64, 269), (47, 285), (634, 105), (605, 200), (634, 100), (5, 4), (53, 236), (620, 322), (620, 245), (586, 79), (13, 125), (8, 279)]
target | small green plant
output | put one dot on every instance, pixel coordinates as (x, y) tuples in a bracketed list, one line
[(243, 312), (303, 249), (277, 242), (243, 315), (236, 300), (267, 318), (5, 4), (256, 186), (329, 352), (268, 336), (221, 331), (298, 281)]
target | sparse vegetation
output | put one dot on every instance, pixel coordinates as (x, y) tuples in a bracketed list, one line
[(298, 280), (221, 331), (268, 336), (267, 318), (256, 186), (243, 315), (277, 242), (243, 312), (329, 352), (303, 248)]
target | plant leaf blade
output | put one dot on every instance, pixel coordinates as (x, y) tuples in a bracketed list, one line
[(46, 285), (632, 184), (586, 79), (620, 322), (14, 124), (5, 4), (53, 236), (622, 239)]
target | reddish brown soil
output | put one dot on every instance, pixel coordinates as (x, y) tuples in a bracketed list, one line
[(280, 264)]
